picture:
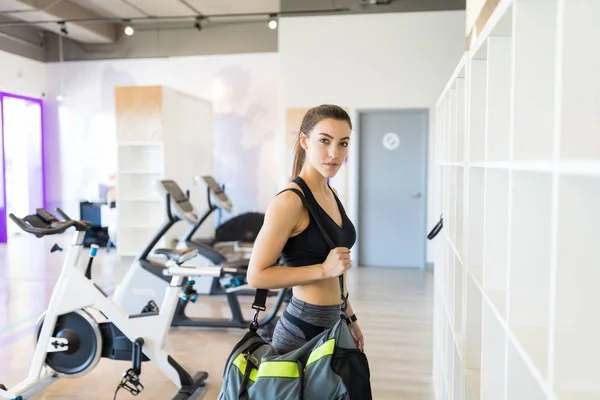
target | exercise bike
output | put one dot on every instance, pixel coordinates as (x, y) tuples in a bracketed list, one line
[(145, 281), (207, 250), (69, 341), (233, 239), (237, 235)]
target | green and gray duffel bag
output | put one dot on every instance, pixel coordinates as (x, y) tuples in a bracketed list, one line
[(330, 366)]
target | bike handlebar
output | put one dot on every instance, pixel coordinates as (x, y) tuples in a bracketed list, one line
[(43, 223), (63, 214)]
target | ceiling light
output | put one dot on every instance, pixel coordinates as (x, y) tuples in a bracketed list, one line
[(129, 31), (273, 22), (198, 23)]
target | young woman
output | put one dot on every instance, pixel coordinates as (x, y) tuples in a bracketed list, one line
[(311, 268)]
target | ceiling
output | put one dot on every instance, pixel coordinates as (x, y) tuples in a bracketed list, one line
[(103, 21), (164, 8)]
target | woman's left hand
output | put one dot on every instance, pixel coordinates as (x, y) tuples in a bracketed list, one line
[(357, 335)]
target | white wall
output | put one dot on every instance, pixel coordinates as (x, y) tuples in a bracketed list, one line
[(395, 60), (244, 92), (22, 76)]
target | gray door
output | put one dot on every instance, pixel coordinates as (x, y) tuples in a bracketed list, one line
[(392, 173)]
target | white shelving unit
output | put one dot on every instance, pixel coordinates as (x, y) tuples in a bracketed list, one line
[(161, 134), (517, 268), (140, 208)]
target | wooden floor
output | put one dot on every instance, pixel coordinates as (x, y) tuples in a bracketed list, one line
[(394, 307)]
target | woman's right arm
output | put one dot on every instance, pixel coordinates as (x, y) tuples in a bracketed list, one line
[(281, 218)]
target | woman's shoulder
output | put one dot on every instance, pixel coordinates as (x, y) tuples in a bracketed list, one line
[(288, 199)]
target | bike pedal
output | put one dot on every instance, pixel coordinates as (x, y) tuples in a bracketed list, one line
[(131, 383)]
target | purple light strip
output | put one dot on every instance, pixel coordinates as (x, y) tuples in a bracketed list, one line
[(3, 216)]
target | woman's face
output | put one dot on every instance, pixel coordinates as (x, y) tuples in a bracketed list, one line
[(327, 146)]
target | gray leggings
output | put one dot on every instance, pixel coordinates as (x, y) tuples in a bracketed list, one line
[(301, 322)]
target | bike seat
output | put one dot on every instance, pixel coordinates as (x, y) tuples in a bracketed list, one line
[(177, 255), (206, 250)]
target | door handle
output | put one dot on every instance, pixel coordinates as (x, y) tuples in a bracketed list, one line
[(416, 195)]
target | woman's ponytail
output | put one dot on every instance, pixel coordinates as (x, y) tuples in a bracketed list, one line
[(299, 157)]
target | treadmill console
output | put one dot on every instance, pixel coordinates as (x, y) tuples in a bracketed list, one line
[(181, 205), (221, 198)]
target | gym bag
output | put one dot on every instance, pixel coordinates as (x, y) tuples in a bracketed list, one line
[(329, 366)]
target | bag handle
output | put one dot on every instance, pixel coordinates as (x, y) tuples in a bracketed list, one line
[(260, 299), (437, 228)]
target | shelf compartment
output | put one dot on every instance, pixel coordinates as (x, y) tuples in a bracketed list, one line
[(477, 92), (449, 357), (458, 296), (460, 119), (534, 74), (439, 375), (452, 113), (534, 342), (588, 168), (575, 344), (439, 315), (495, 262), (441, 267), (447, 184), (498, 98), (450, 284), (134, 239), (136, 186), (530, 249), (141, 214), (475, 215), (451, 207), (493, 353), (458, 376), (474, 303), (579, 83), (472, 352), (521, 383), (139, 157), (445, 113), (579, 395), (472, 384), (459, 222)]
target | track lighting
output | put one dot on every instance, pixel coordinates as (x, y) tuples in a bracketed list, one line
[(198, 23), (128, 28), (63, 27), (273, 22)]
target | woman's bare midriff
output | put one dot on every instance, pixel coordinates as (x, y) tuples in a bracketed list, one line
[(325, 292), (322, 293)]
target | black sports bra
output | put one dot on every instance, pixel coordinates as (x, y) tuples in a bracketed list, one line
[(309, 247)]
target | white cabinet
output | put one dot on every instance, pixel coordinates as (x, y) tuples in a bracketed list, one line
[(517, 268), (161, 134)]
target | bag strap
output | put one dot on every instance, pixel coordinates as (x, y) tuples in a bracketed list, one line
[(260, 299)]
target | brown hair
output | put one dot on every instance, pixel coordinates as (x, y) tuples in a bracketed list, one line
[(311, 118)]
